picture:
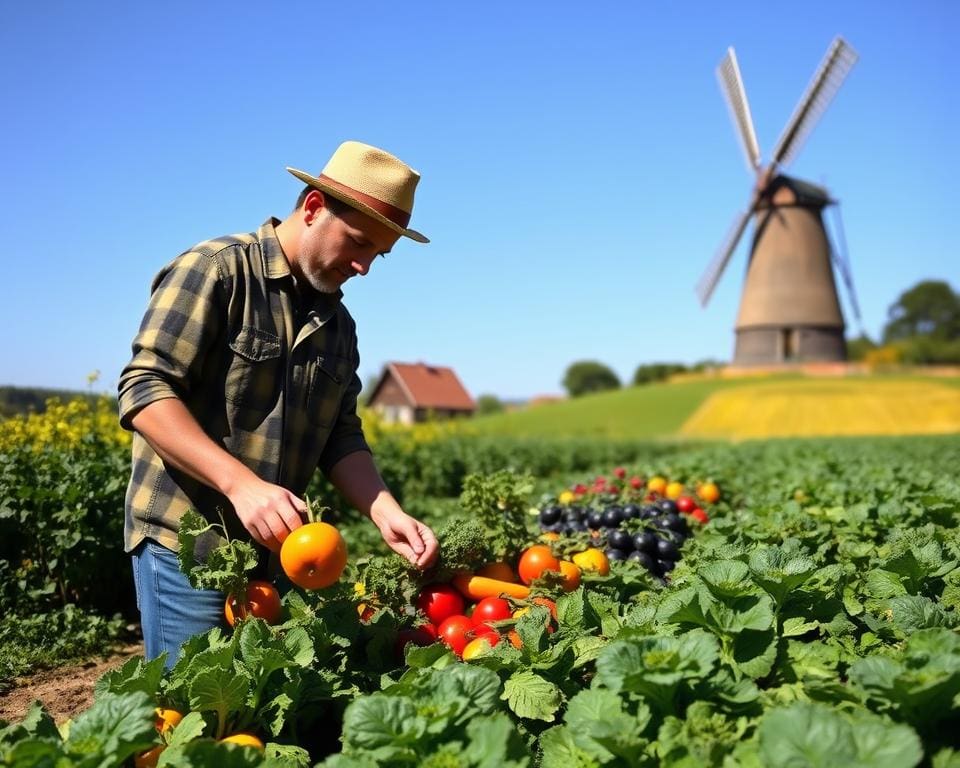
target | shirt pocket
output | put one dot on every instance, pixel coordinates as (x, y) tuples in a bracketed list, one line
[(254, 378), (328, 382)]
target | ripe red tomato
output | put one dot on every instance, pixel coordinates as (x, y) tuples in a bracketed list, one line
[(699, 515), (686, 504), (454, 632), (534, 561), (439, 602), (490, 609)]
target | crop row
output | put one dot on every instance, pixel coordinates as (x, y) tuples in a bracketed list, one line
[(812, 621)]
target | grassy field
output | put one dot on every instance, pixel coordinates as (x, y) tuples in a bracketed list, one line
[(772, 406)]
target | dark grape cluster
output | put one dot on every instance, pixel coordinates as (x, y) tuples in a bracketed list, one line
[(654, 541)]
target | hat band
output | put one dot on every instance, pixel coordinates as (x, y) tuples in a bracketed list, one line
[(397, 215)]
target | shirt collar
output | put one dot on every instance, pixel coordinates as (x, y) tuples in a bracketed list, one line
[(276, 266), (275, 262)]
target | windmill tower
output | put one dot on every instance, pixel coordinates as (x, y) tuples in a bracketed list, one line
[(789, 309)]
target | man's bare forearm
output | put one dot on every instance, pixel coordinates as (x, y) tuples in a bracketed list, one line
[(175, 435)]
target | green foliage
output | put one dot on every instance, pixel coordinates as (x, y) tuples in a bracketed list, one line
[(499, 502), (49, 639), (487, 404), (650, 372), (588, 376), (930, 308), (224, 568), (61, 528), (858, 348)]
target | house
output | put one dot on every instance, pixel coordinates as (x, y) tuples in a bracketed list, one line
[(411, 392)]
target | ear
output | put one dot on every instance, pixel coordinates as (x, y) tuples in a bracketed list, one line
[(313, 205)]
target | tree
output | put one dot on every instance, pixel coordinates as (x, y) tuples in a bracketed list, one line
[(858, 348), (588, 376), (647, 373), (930, 309), (487, 404)]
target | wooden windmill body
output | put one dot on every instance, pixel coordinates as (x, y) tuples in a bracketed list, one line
[(789, 309)]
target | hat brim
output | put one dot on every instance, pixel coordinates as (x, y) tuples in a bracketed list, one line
[(316, 183)]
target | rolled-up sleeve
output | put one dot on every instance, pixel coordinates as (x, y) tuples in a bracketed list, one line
[(184, 316)]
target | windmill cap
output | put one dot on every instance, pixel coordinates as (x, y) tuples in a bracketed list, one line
[(372, 181)]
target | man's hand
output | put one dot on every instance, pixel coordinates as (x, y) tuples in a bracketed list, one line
[(269, 512), (407, 536)]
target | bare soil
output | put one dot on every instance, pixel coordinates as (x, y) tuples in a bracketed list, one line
[(64, 691)]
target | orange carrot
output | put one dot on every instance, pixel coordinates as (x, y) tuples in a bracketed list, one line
[(479, 587)]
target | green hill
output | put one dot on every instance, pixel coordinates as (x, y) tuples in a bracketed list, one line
[(652, 410), (660, 410)]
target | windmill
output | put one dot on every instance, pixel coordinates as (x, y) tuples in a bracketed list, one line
[(789, 308)]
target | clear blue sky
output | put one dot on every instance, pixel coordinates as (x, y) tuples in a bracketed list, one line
[(579, 165)]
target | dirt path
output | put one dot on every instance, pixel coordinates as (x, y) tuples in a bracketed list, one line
[(64, 691)]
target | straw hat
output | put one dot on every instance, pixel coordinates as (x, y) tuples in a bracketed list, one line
[(372, 181)]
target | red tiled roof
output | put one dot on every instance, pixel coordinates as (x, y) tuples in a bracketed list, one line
[(431, 386)]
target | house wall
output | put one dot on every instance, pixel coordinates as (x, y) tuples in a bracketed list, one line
[(390, 393)]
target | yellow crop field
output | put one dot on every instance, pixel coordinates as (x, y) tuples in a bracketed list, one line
[(835, 407)]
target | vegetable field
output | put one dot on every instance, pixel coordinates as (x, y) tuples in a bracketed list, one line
[(807, 616)]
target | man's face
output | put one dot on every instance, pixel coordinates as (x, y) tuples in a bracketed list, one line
[(334, 248)]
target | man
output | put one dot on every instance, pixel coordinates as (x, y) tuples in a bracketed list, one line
[(244, 381)]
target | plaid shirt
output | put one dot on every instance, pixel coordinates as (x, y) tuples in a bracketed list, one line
[(270, 378)]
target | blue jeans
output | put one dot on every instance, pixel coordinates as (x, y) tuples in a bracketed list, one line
[(171, 611)]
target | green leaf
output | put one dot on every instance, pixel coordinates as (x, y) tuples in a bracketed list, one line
[(602, 727), (136, 674), (377, 721), (477, 685), (559, 747), (755, 653), (796, 627), (221, 691), (495, 742), (191, 727), (913, 612), (883, 584), (727, 578), (812, 734), (530, 696), (115, 728), (655, 667), (780, 572)]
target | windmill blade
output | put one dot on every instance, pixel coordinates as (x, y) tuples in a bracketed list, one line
[(831, 73), (728, 73), (841, 259), (711, 276)]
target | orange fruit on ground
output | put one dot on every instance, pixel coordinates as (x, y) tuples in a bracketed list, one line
[(314, 555), (708, 492), (263, 601), (592, 560), (534, 561), (149, 758), (657, 484), (571, 575), (674, 490), (244, 739)]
